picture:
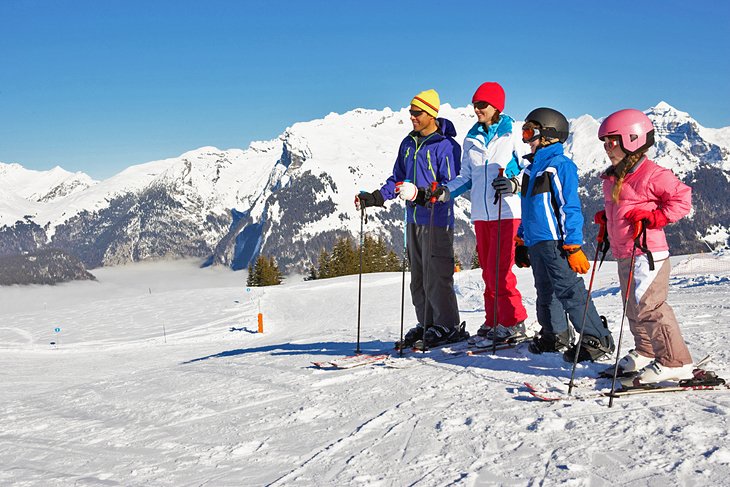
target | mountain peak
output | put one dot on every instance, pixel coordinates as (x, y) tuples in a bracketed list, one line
[(665, 110), (664, 107)]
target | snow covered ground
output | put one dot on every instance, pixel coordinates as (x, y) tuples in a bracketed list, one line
[(206, 401)]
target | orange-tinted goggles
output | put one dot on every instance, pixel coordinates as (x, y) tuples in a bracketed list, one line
[(528, 135)]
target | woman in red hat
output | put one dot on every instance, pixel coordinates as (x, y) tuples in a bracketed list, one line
[(488, 148)]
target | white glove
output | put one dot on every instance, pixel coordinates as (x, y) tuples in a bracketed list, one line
[(406, 191)]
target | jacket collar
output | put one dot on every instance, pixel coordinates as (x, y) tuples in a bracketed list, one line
[(548, 152), (445, 129), (610, 172), (486, 134)]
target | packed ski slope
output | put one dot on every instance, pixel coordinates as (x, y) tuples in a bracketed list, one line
[(157, 378)]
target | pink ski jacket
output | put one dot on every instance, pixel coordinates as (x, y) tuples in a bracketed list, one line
[(647, 187)]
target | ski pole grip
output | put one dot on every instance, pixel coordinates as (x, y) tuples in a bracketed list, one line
[(434, 185), (498, 195)]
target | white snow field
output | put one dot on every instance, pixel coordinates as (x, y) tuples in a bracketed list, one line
[(117, 402)]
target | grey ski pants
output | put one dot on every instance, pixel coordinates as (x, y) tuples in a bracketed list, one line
[(432, 275)]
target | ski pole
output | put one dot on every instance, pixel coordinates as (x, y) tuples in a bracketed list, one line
[(496, 267), (601, 231), (432, 200), (403, 280), (359, 279), (623, 316)]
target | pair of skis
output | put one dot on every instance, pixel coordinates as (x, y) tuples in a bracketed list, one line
[(703, 380), (449, 349), (552, 396), (352, 361)]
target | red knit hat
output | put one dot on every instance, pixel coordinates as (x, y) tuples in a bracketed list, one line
[(492, 93)]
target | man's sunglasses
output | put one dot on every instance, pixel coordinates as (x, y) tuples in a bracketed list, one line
[(416, 113)]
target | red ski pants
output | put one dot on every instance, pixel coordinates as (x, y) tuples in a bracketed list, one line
[(510, 310)]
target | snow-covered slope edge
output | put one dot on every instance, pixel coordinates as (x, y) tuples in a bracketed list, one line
[(157, 377)]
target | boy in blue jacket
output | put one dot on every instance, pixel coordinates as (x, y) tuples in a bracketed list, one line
[(428, 154), (549, 240)]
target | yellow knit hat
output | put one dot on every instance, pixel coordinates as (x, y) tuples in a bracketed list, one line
[(428, 101)]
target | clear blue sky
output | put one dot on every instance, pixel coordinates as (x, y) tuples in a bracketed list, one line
[(96, 86)]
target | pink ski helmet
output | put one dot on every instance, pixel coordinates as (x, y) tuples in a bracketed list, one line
[(635, 130)]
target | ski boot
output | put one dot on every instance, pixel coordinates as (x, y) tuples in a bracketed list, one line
[(438, 335), (592, 349), (655, 373), (546, 342), (412, 336)]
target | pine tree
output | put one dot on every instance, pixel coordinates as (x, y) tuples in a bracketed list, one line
[(475, 261), (250, 279), (324, 265), (312, 276), (392, 262), (273, 276), (265, 272), (345, 258)]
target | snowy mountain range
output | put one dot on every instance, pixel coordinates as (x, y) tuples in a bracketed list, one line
[(292, 196)]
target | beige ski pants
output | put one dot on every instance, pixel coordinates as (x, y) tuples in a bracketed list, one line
[(651, 320)]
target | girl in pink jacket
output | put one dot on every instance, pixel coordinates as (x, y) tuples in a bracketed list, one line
[(637, 192)]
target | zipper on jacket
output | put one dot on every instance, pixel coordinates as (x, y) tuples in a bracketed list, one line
[(430, 166), (415, 165), (486, 164), (486, 172)]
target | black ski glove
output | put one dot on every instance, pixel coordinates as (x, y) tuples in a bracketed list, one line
[(365, 199), (504, 185), (425, 195), (522, 257), (421, 199), (441, 193)]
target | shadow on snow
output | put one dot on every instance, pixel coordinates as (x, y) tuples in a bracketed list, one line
[(317, 348), (518, 360)]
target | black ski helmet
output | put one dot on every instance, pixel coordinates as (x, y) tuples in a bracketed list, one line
[(553, 124)]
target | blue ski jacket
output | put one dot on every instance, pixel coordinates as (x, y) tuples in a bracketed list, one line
[(422, 160), (551, 208)]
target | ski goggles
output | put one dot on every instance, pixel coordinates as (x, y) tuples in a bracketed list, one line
[(416, 113), (609, 144), (530, 134)]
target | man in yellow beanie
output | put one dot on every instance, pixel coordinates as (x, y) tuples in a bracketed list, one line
[(429, 154), (429, 102)]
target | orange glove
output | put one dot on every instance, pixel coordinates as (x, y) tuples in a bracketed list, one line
[(577, 259)]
